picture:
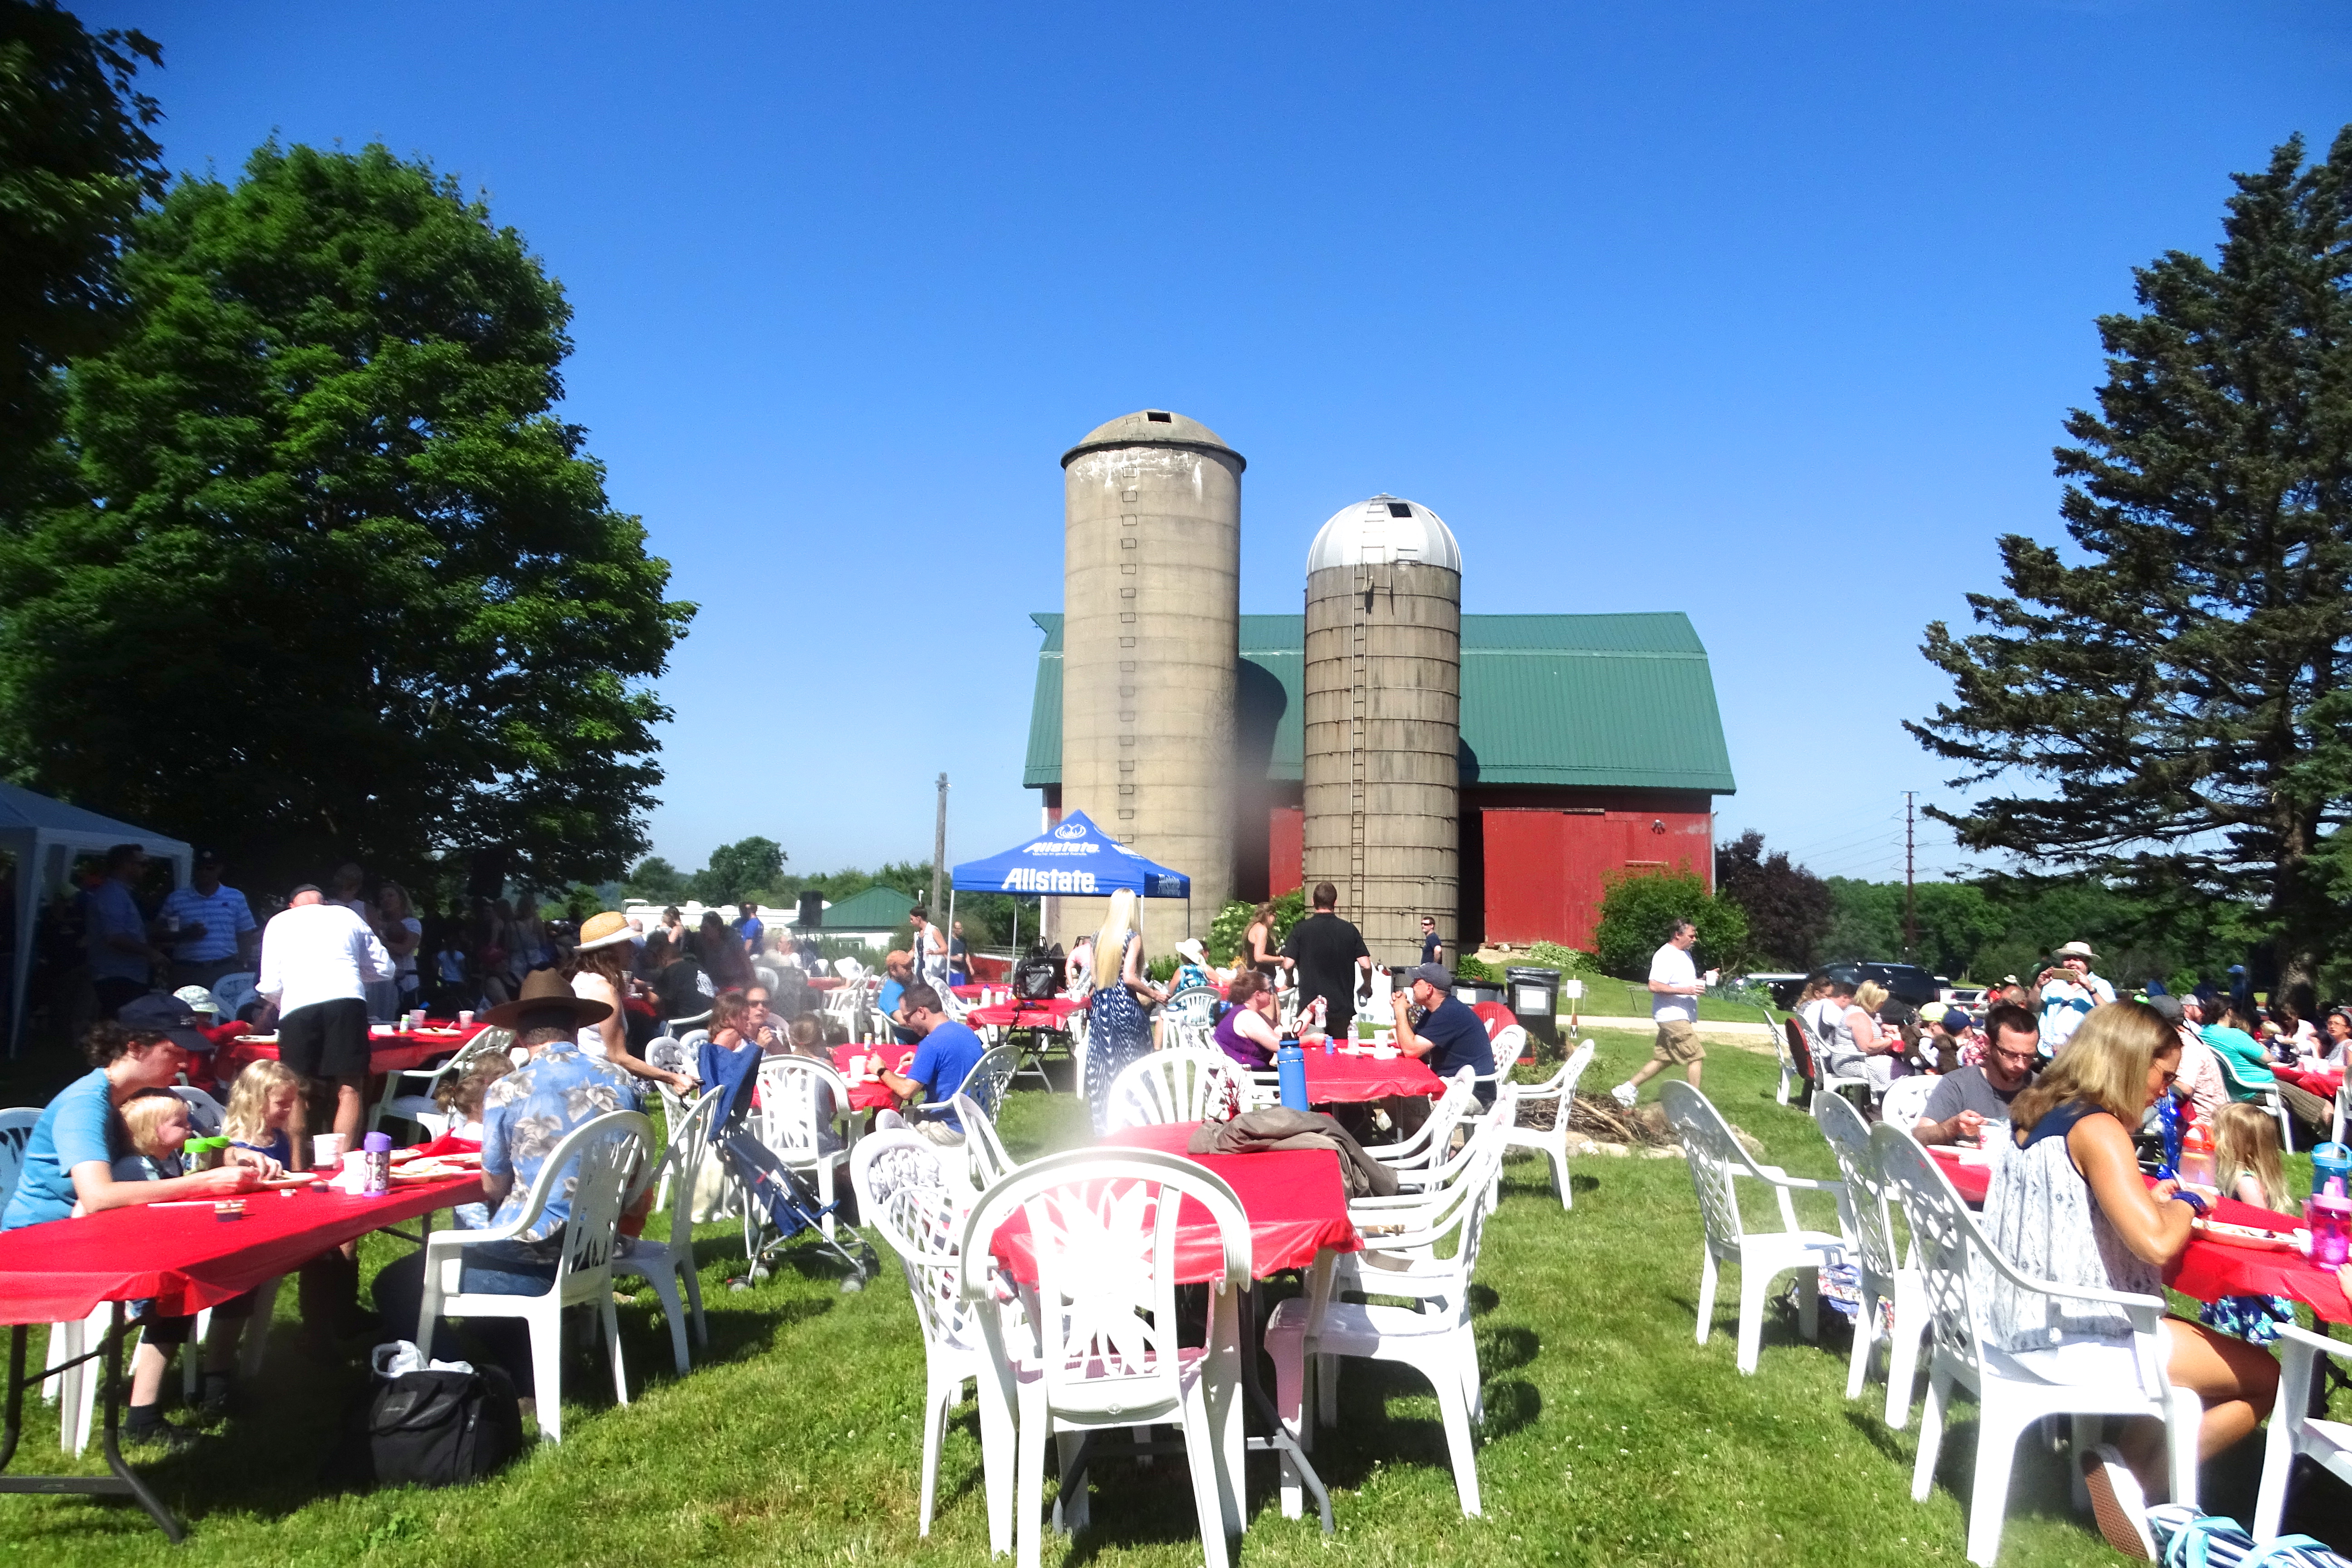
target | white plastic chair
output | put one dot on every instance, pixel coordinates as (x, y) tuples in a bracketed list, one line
[(1957, 1265), (1172, 1086), (662, 1264), (1717, 1164), (1906, 1100), (233, 992), (985, 1161), (206, 1114), (905, 1192), (1436, 1340), (417, 1105), (792, 1127), (984, 1084), (1416, 1159), (15, 1131), (593, 1164), (2294, 1433), (2265, 1096), (1862, 1212), (1102, 1227), (1551, 1141)]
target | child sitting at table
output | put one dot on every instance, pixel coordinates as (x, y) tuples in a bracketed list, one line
[(2247, 1168), (266, 1112), (157, 1122), (461, 1099)]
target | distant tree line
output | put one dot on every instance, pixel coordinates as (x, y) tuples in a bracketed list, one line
[(751, 870)]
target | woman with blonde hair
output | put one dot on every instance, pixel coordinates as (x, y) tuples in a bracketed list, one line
[(2067, 1205), (1874, 1047), (1119, 1029)]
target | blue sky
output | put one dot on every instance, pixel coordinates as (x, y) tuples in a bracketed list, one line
[(1768, 313)]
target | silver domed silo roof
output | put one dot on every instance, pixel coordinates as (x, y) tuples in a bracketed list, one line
[(1384, 529)]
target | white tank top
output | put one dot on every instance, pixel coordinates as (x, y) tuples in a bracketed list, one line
[(594, 987)]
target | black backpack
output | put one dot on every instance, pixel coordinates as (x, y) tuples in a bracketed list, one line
[(442, 1428), (1039, 975)]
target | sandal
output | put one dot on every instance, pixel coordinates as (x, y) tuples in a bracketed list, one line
[(2117, 1503)]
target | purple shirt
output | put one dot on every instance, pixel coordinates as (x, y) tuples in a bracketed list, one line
[(1238, 1045)]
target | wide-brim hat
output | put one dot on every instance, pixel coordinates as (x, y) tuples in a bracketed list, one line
[(1191, 948), (547, 1002), (2076, 950), (607, 930)]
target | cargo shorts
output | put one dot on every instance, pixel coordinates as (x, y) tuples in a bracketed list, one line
[(1678, 1043)]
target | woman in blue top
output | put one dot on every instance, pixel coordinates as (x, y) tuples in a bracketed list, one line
[(1118, 1031), (2248, 1065)]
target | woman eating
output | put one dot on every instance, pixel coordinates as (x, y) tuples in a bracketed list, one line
[(1248, 1033), (2067, 1205)]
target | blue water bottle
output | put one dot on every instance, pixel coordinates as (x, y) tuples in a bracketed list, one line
[(1290, 1068), (2330, 1164)]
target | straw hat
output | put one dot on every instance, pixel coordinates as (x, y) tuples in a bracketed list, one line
[(607, 930), (2081, 949), (1191, 948), (547, 1002)]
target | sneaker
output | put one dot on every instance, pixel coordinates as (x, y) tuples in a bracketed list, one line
[(171, 1434), (1625, 1094), (2117, 1503), (219, 1399)]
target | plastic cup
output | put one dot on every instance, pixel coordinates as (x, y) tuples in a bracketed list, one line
[(466, 1018), (326, 1151)]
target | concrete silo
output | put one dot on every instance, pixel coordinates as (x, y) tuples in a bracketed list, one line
[(1384, 719), (1150, 640)]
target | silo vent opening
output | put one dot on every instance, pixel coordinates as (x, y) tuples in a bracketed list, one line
[(1399, 509), (1157, 418)]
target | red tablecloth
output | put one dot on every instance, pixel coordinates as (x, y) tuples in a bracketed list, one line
[(2321, 1081), (874, 1096), (1050, 1014), (1295, 1199), (1342, 1080), (401, 1052), (824, 981), (2209, 1270), (186, 1258)]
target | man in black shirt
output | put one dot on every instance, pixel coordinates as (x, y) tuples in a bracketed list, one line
[(1450, 1036), (1329, 953), (1432, 947)]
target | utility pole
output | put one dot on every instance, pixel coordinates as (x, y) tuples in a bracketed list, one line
[(1910, 900), (939, 848)]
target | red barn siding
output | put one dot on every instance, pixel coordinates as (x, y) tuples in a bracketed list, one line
[(1285, 850), (1545, 868)]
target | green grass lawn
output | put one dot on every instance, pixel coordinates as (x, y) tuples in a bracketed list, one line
[(1610, 1436), (1606, 997)]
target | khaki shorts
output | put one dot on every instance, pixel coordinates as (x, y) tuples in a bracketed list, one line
[(1678, 1043)]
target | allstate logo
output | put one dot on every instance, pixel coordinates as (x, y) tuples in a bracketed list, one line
[(1070, 830)]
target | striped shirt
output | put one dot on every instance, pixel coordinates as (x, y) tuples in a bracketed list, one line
[(223, 914)]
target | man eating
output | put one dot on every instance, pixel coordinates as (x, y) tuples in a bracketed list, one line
[(1965, 1100)]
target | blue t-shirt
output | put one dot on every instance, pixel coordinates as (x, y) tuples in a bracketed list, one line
[(1457, 1038), (114, 912), (750, 929), (943, 1061), (80, 1125)]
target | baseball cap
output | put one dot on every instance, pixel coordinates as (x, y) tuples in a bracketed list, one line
[(1954, 1019), (2167, 1005), (158, 1014), (1437, 974), (208, 857)]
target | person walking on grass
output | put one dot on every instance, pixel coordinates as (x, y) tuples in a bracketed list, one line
[(1675, 990)]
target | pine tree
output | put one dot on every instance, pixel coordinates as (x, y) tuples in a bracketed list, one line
[(2170, 696)]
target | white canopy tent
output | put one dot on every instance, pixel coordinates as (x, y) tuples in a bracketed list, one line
[(45, 836)]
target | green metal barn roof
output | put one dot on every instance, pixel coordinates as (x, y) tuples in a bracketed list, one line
[(1601, 701), (877, 908)]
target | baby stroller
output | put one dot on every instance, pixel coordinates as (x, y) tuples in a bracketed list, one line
[(778, 1204)]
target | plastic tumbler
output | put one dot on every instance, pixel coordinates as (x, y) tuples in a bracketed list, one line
[(2330, 1219), (2331, 1169)]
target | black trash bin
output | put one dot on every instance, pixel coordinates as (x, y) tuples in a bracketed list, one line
[(1535, 1000)]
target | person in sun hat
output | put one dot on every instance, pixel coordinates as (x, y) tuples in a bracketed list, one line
[(2066, 991), (600, 972), (524, 1116)]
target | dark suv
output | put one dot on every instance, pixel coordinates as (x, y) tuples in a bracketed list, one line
[(1906, 983)]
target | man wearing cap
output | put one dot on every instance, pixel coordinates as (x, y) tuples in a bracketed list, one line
[(1941, 1032), (1450, 1036), (524, 1116), (2067, 992), (318, 960), (209, 928), (1965, 1100)]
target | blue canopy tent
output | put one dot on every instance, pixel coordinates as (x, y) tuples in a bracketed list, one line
[(1073, 858)]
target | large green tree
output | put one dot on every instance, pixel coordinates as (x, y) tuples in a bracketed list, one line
[(1787, 907), (349, 588), (2169, 697), (76, 166)]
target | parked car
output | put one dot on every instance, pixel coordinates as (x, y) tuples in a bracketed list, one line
[(1906, 983), (1784, 988)]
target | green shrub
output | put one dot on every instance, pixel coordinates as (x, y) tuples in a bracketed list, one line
[(1160, 971), (1478, 969), (1567, 960), (1225, 932), (1638, 913)]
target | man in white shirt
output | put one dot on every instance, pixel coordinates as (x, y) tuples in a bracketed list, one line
[(2068, 993), (1675, 990), (318, 960)]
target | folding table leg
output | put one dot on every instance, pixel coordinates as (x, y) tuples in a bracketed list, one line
[(125, 1481)]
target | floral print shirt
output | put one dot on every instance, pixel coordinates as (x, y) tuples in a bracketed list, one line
[(528, 1112)]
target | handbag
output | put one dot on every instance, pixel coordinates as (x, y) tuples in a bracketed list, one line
[(445, 1427)]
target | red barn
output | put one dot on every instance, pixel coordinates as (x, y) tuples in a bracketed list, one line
[(1591, 745)]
